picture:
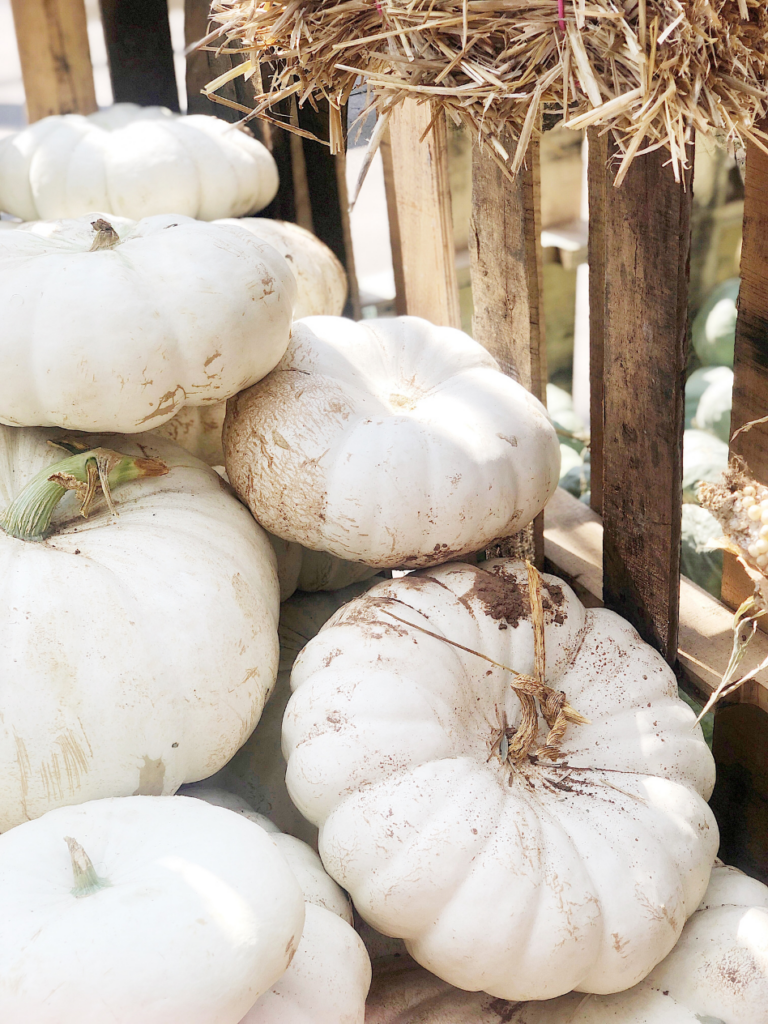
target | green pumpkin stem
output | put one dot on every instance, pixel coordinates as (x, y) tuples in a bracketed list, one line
[(28, 517), (87, 882)]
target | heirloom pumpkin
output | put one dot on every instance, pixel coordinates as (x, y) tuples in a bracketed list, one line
[(390, 442), (134, 162), (716, 974), (116, 325), (142, 910), (321, 290), (512, 859), (137, 649), (330, 975)]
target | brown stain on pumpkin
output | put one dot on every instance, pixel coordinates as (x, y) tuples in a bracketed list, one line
[(151, 777)]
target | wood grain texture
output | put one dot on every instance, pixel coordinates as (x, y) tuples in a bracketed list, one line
[(507, 287), (137, 34), (505, 260), (385, 148), (644, 308), (750, 366), (424, 213), (573, 545), (52, 37), (598, 185)]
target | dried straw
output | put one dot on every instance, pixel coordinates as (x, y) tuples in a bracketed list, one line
[(650, 70)]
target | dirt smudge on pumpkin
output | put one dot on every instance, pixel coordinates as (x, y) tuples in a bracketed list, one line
[(151, 777), (504, 1010), (499, 596)]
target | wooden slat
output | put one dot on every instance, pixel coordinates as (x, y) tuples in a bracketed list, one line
[(137, 34), (507, 288), (327, 186), (385, 147), (644, 326), (424, 213), (750, 367), (573, 545), (52, 37), (598, 184)]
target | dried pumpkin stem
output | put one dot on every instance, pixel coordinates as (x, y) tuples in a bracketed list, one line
[(106, 236), (28, 517)]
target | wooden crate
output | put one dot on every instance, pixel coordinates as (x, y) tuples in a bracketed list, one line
[(625, 550)]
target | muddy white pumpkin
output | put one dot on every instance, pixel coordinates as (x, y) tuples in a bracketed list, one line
[(137, 650), (330, 975), (321, 291), (390, 442), (114, 325), (142, 910), (519, 864), (716, 974), (134, 162)]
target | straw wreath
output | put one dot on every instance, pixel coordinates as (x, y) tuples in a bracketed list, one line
[(650, 70)]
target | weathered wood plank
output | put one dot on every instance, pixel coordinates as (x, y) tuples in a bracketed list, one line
[(598, 184), (385, 148), (52, 37), (750, 366), (507, 287), (137, 34), (644, 325), (424, 213)]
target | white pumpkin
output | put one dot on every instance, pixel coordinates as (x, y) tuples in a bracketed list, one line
[(320, 278), (390, 442), (134, 162), (299, 568), (503, 870), (257, 771), (170, 311), (161, 910), (330, 975), (138, 650), (716, 974), (321, 290)]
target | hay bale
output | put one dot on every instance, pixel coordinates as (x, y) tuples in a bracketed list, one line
[(650, 70)]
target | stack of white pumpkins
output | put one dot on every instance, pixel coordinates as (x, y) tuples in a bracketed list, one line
[(496, 775)]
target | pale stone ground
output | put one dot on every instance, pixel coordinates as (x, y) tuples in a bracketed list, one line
[(369, 219)]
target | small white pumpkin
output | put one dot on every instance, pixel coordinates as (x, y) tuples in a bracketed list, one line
[(330, 975), (390, 442), (162, 313), (139, 650), (321, 290), (716, 974), (134, 162), (162, 909), (446, 819), (299, 568), (257, 771)]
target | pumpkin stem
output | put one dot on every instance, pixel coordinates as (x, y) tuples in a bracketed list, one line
[(87, 882), (106, 236), (28, 517)]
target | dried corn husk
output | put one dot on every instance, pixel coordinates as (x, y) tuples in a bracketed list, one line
[(650, 70)]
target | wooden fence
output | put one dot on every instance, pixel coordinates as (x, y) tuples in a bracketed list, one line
[(625, 551)]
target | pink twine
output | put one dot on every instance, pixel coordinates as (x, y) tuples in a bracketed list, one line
[(560, 15)]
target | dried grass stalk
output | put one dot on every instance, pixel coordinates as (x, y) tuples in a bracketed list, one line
[(651, 71)]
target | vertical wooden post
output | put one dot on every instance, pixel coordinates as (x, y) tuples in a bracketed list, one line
[(646, 242), (423, 201), (750, 365), (598, 185), (139, 51), (505, 260), (52, 36), (395, 241)]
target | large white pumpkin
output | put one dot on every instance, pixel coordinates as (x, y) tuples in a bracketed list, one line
[(390, 442), (330, 975), (162, 910), (520, 876), (134, 162), (169, 312), (321, 290), (137, 650), (716, 974)]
